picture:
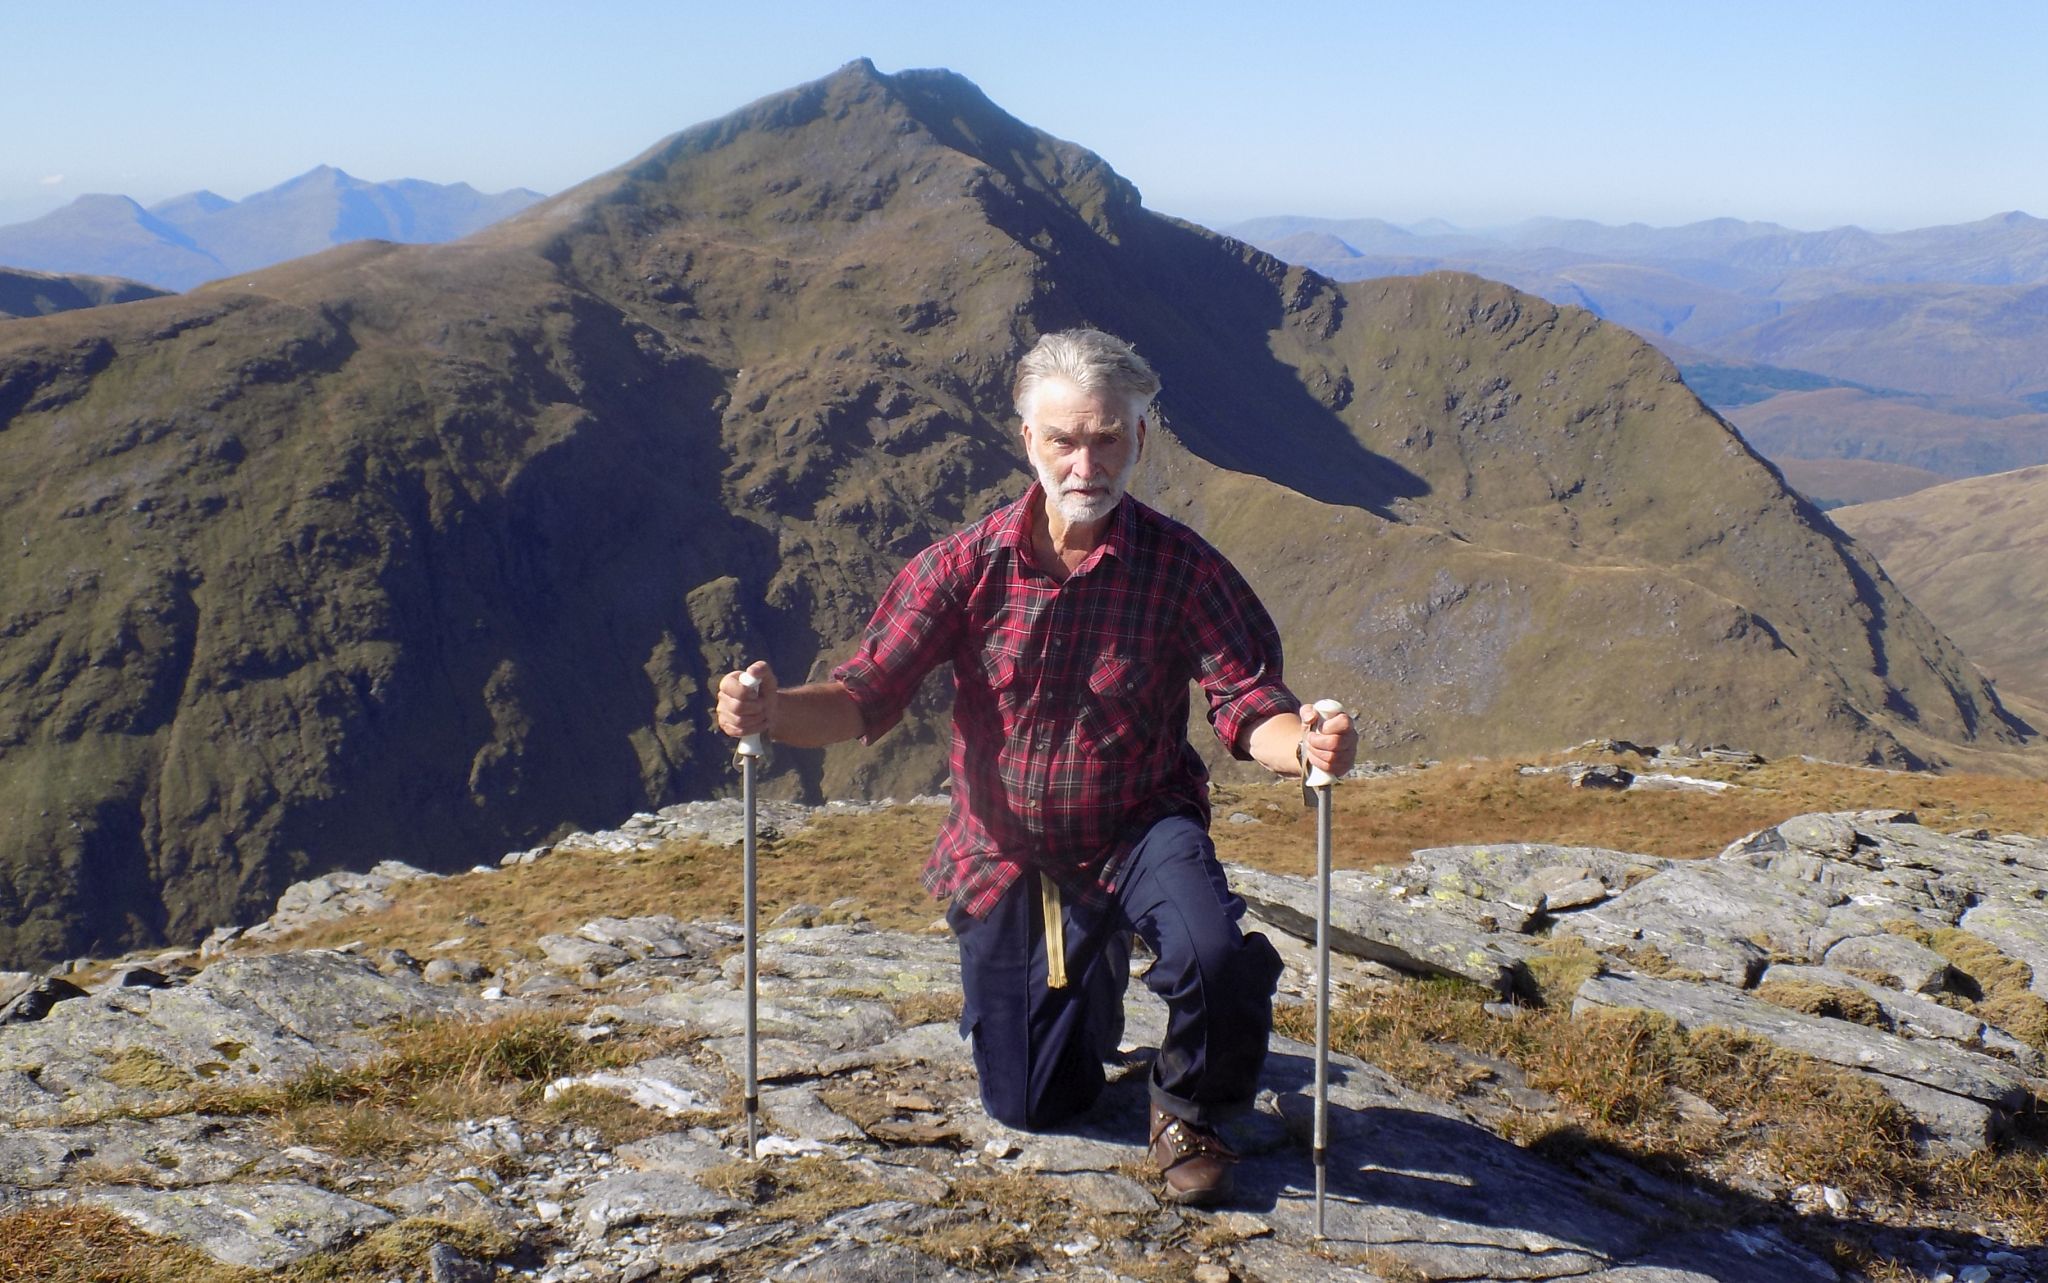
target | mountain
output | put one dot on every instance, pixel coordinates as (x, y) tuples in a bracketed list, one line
[(430, 551), (39, 293), (1942, 313), (108, 236), (198, 237), (1947, 340), (1953, 438), (1974, 555)]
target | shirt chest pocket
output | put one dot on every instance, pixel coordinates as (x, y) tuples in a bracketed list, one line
[(1116, 706)]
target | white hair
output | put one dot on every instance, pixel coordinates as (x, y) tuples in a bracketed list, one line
[(1090, 360)]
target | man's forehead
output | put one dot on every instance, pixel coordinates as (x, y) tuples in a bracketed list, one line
[(1060, 402)]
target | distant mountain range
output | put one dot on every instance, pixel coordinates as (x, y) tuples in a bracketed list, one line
[(1943, 331), (181, 242)]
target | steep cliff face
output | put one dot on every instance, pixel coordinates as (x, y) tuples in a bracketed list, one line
[(426, 551)]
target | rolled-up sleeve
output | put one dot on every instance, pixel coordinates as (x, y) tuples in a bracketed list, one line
[(1237, 657), (912, 631)]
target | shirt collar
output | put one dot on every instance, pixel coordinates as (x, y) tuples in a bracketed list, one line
[(1013, 530)]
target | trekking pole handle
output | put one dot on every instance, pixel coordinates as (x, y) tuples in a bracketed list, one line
[(1318, 778), (751, 745)]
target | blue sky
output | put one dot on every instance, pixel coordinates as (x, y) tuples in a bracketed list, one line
[(1811, 114)]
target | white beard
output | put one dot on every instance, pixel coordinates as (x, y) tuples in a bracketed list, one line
[(1080, 510)]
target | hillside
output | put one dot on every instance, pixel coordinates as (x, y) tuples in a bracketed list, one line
[(429, 551), (200, 236), (1974, 555), (40, 293), (1933, 433), (1832, 483)]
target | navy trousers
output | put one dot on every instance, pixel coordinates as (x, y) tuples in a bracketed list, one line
[(1039, 1050)]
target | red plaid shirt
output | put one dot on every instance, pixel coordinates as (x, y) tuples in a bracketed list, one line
[(1070, 704)]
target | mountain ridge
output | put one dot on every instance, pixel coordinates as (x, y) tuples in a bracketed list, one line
[(440, 548)]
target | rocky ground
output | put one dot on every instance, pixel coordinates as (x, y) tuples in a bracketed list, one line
[(877, 1162)]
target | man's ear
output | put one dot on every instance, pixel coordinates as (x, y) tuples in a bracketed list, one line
[(1141, 436)]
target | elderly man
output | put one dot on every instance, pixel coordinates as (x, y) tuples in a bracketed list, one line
[(1074, 620)]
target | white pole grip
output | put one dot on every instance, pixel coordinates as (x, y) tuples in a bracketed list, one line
[(750, 745), (1318, 778)]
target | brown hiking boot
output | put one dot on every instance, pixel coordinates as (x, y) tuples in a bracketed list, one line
[(1194, 1160)]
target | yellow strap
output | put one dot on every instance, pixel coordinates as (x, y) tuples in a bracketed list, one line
[(1055, 933)]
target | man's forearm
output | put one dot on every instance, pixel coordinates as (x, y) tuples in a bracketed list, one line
[(1273, 743), (815, 715)]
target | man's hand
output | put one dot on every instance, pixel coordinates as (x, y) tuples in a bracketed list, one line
[(747, 712), (1333, 743)]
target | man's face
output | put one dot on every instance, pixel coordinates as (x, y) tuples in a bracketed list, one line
[(1084, 446)]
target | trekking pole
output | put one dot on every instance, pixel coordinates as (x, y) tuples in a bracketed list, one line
[(750, 751), (1319, 781)]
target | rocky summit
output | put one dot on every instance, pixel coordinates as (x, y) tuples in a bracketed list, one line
[(876, 1161), (425, 552)]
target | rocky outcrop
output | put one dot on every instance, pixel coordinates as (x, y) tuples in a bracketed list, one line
[(865, 1079), (1843, 900)]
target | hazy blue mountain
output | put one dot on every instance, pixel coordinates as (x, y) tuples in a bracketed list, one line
[(108, 236), (197, 237)]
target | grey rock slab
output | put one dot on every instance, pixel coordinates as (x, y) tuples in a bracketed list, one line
[(694, 1255), (446, 1199), (904, 1180), (1493, 871), (1272, 1261), (1103, 1191), (1447, 1199), (856, 958), (260, 1226), (446, 1265), (1719, 918), (632, 1198), (690, 1153), (936, 1043), (670, 1084), (1744, 1254), (37, 999), (1917, 968), (169, 1153), (1919, 1017), (242, 1020), (573, 951), (1888, 1058), (797, 1111), (2019, 930), (785, 1010), (1411, 935), (15, 983), (654, 936), (877, 1222), (777, 1059), (869, 1263)]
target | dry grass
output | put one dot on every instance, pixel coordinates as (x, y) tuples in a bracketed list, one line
[(1616, 1073), (437, 1072), (141, 1069), (876, 859), (71, 1243), (873, 859), (1381, 821), (1836, 1002)]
